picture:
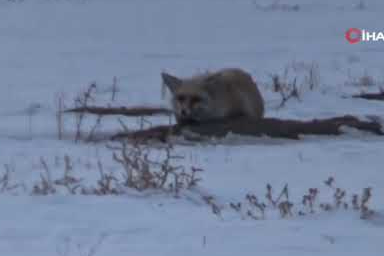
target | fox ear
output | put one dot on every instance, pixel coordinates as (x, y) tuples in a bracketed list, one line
[(172, 82)]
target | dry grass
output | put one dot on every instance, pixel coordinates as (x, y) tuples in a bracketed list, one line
[(365, 80), (255, 208), (295, 79), (142, 168), (142, 172)]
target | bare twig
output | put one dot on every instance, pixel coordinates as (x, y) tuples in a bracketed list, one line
[(366, 213), (114, 88), (82, 102), (125, 111), (59, 116), (45, 187), (370, 96), (94, 128)]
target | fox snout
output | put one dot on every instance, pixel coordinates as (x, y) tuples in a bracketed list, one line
[(185, 110), (189, 107), (185, 113)]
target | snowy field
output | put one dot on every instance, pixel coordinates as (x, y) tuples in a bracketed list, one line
[(53, 49)]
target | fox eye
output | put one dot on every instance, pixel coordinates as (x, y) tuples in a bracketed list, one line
[(180, 98), (195, 100)]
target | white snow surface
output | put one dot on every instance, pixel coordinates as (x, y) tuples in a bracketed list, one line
[(53, 48)]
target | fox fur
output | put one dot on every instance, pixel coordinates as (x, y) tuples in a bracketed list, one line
[(227, 93)]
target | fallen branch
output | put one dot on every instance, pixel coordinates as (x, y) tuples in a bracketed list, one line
[(161, 133), (125, 111), (272, 127), (370, 96)]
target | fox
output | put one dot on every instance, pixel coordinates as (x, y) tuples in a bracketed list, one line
[(225, 94)]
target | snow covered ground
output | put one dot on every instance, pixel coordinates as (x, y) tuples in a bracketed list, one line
[(53, 48)]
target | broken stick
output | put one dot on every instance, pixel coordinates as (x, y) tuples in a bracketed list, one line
[(272, 127), (125, 111)]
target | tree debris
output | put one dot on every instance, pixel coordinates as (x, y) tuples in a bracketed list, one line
[(370, 96), (272, 127), (125, 111)]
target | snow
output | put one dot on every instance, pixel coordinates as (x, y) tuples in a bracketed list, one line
[(53, 48)]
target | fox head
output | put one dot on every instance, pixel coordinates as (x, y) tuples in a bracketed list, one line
[(191, 102)]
